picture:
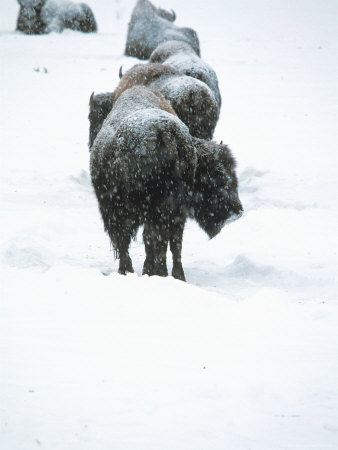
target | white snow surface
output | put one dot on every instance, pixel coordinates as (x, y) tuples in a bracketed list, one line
[(245, 354)]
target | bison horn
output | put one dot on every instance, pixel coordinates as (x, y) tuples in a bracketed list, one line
[(174, 15), (221, 143), (120, 73), (91, 99)]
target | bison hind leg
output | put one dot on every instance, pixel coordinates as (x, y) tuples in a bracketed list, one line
[(155, 237), (121, 231), (121, 246), (176, 238), (125, 264)]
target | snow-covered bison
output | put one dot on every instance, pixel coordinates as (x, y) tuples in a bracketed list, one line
[(150, 26), (183, 57), (142, 166), (45, 16), (214, 200), (192, 100)]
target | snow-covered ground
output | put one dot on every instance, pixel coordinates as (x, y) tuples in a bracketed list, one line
[(245, 354)]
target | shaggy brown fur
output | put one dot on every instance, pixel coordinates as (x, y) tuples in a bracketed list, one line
[(150, 26), (142, 166), (100, 106), (182, 56), (192, 99), (44, 16)]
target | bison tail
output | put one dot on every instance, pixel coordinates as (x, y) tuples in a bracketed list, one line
[(174, 145)]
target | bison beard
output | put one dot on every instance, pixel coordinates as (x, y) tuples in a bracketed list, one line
[(142, 168)]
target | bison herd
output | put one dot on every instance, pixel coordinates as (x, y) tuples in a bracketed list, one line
[(153, 162)]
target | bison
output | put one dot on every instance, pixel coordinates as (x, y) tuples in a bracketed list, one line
[(214, 199), (183, 57), (45, 16), (150, 26), (142, 166), (192, 100)]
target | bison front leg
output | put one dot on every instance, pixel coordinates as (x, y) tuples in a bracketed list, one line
[(155, 239), (176, 238)]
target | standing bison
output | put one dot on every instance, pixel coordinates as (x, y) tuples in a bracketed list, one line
[(133, 191), (142, 165), (150, 26), (45, 16)]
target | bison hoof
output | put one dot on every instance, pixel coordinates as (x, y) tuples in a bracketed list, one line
[(125, 272), (178, 273), (126, 266), (148, 267), (151, 269)]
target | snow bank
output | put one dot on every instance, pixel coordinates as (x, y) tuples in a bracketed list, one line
[(244, 355)]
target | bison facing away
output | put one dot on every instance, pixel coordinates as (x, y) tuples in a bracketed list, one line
[(142, 166), (150, 26), (215, 200), (192, 100), (183, 57), (45, 16)]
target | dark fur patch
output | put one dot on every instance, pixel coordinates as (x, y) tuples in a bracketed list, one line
[(29, 20), (215, 199), (100, 106)]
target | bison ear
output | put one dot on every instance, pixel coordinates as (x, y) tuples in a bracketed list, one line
[(120, 73)]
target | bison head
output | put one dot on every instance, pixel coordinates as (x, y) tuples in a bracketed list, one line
[(215, 199), (100, 106)]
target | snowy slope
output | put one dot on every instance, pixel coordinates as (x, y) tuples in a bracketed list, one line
[(245, 354)]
